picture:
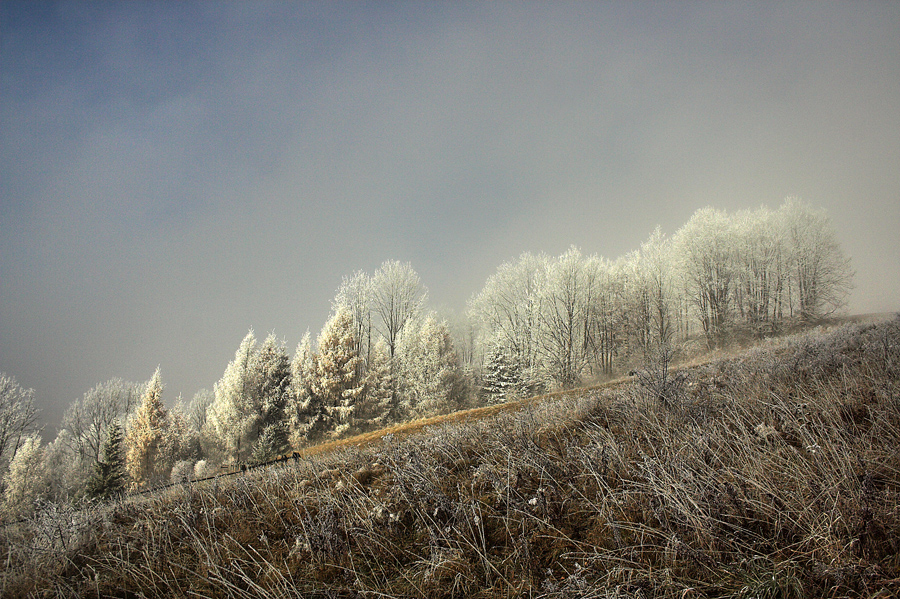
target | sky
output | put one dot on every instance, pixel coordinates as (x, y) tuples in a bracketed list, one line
[(173, 174)]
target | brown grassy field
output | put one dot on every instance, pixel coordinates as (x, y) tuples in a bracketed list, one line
[(771, 473), (417, 426)]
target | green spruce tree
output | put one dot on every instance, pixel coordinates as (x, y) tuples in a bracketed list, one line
[(109, 478)]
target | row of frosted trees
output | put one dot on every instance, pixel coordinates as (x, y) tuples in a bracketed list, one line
[(349, 383), (381, 357), (547, 322), (119, 432), (539, 323)]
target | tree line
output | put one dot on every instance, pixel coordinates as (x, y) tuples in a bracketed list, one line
[(550, 322), (384, 356)]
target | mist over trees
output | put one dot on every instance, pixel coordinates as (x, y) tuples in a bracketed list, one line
[(383, 356)]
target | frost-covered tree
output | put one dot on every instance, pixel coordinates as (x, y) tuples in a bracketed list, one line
[(543, 316), (609, 315), (302, 409), (251, 396), (507, 315), (335, 382), (197, 409), (145, 442), (273, 376), (374, 409), (761, 275), (87, 419), (65, 470), (658, 273), (181, 442), (25, 479), (501, 376), (705, 246), (821, 273), (232, 419), (635, 305), (397, 296), (565, 318), (355, 296), (431, 378), (272, 443), (571, 287), (465, 339), (17, 416), (653, 306), (110, 478)]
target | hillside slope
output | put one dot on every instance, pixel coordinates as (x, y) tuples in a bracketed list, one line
[(775, 473)]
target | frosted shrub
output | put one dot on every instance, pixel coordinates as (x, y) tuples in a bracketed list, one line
[(59, 529), (204, 469)]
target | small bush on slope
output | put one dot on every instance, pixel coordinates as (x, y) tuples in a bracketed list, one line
[(774, 474)]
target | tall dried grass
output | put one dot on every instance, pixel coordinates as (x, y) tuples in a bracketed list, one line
[(775, 473)]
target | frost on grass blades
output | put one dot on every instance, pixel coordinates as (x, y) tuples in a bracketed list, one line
[(768, 473)]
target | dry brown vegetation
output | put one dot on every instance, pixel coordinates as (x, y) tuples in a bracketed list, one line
[(775, 473)]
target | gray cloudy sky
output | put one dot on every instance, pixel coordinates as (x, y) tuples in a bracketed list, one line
[(173, 174)]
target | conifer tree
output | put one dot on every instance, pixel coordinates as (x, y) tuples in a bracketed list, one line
[(355, 294), (24, 480), (336, 365), (272, 443), (431, 379), (502, 378), (179, 443), (145, 439), (374, 409), (273, 377), (232, 419), (302, 410), (110, 477), (88, 418), (508, 312)]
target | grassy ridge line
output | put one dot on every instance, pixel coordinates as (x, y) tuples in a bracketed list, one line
[(416, 426), (473, 414)]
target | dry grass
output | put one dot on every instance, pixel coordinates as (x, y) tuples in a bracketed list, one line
[(406, 429), (772, 474)]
